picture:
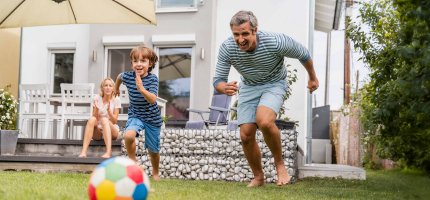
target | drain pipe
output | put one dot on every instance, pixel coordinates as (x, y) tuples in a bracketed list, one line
[(309, 132), (309, 95)]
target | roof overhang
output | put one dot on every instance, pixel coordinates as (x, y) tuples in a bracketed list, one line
[(327, 15)]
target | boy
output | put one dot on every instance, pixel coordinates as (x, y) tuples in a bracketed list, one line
[(143, 111)]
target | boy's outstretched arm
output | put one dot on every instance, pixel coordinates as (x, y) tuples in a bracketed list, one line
[(118, 82)]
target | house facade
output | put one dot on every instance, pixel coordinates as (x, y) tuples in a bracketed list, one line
[(186, 38)]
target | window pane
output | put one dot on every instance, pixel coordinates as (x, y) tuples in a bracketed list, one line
[(118, 61), (63, 70), (175, 4), (175, 79)]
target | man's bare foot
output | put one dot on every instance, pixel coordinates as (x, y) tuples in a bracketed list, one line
[(283, 177), (82, 155), (106, 155), (256, 183), (156, 177)]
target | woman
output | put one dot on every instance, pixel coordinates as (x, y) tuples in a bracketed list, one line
[(102, 124)]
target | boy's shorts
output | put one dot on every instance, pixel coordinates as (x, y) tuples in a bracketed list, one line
[(250, 97), (152, 133)]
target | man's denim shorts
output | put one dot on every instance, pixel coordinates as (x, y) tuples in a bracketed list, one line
[(250, 97), (152, 133)]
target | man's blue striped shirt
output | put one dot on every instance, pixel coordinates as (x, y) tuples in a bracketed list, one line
[(265, 64)]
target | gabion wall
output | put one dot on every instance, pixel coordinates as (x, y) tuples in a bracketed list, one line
[(213, 154)]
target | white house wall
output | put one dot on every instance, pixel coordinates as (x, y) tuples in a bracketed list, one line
[(88, 39), (287, 16), (169, 24), (35, 63), (210, 25)]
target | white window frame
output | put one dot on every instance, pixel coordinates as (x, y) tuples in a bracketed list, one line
[(119, 42), (52, 52), (192, 73), (176, 9), (107, 48), (178, 41)]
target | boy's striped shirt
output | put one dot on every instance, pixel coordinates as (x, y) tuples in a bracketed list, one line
[(139, 107)]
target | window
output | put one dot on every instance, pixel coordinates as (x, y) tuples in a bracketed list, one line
[(117, 53), (175, 81), (176, 5), (62, 64), (118, 61)]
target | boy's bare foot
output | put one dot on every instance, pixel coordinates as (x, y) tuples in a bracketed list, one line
[(106, 155), (256, 183), (156, 177), (82, 155), (283, 177)]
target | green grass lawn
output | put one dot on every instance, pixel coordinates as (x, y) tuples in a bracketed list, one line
[(393, 184)]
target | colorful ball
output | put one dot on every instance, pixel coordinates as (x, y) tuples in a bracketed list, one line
[(118, 178)]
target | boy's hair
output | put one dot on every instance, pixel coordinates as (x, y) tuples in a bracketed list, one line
[(244, 16), (146, 53), (101, 92)]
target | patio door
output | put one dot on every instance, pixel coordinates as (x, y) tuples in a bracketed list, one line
[(173, 71), (118, 61), (175, 82)]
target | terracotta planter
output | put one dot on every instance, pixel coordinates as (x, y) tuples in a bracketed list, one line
[(8, 141)]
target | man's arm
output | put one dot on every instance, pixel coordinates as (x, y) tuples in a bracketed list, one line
[(313, 83), (221, 73), (229, 89)]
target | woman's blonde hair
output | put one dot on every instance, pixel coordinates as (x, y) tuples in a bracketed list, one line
[(101, 92)]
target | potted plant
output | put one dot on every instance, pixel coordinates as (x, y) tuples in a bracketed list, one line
[(283, 121), (8, 118)]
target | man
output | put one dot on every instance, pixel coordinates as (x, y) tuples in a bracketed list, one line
[(259, 57)]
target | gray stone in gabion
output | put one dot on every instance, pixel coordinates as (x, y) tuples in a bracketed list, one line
[(213, 155)]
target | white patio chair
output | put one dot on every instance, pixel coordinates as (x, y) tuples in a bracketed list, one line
[(123, 95), (76, 105), (34, 105)]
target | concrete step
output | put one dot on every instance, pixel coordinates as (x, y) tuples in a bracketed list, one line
[(66, 148), (48, 163), (52, 155), (332, 170)]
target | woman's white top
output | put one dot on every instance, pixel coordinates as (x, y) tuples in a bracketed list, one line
[(114, 103)]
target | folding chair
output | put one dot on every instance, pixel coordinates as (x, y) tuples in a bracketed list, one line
[(218, 113), (76, 104), (34, 105)]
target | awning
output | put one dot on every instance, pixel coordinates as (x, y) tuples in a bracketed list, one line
[(327, 15)]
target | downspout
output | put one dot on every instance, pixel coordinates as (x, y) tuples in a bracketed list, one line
[(309, 95), (327, 69), (20, 73)]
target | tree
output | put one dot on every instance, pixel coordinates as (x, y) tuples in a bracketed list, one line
[(394, 39)]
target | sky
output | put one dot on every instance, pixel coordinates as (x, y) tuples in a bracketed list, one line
[(336, 77)]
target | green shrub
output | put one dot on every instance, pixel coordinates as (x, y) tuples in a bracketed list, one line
[(8, 110), (394, 39)]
